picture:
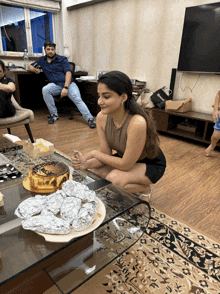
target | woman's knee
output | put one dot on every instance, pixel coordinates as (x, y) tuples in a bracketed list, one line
[(116, 179)]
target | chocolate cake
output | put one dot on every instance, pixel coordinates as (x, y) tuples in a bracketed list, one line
[(48, 176)]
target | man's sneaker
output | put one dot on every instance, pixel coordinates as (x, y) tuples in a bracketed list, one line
[(92, 123), (53, 118)]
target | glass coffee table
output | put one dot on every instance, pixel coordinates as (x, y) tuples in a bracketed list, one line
[(28, 257)]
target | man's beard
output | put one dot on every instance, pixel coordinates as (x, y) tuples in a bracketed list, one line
[(51, 57)]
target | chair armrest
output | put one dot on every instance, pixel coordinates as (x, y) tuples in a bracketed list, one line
[(18, 107), (15, 103)]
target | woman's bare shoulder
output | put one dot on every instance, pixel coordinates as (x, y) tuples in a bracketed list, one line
[(138, 119), (137, 124), (101, 119)]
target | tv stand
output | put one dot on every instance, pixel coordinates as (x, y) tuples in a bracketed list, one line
[(192, 125)]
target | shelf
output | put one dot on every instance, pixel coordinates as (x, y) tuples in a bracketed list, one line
[(192, 125), (186, 134), (85, 4), (186, 128)]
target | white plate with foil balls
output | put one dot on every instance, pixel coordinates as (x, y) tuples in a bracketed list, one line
[(101, 212)]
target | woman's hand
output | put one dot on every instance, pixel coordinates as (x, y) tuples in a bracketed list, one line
[(91, 154), (79, 161)]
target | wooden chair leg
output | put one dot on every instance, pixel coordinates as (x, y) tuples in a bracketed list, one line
[(9, 130), (29, 132)]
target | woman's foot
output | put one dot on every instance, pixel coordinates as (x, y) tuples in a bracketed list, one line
[(141, 209), (146, 197), (209, 150)]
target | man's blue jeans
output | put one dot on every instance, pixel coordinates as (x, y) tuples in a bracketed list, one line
[(52, 89)]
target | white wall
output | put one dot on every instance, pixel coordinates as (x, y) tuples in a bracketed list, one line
[(141, 38)]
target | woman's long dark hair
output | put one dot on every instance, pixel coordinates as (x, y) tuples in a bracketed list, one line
[(120, 83)]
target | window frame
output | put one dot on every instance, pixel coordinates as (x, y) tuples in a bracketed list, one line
[(28, 36)]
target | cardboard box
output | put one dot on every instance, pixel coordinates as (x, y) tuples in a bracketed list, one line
[(40, 148), (179, 106)]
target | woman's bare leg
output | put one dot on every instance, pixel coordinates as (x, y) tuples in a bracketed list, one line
[(102, 171), (133, 188), (133, 181)]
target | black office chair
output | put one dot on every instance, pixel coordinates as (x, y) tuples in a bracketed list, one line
[(65, 104)]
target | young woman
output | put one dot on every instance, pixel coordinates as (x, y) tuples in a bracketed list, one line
[(123, 126), (7, 86)]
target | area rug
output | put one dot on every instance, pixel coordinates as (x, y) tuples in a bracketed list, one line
[(170, 257)]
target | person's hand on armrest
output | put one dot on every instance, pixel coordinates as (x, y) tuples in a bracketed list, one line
[(33, 69)]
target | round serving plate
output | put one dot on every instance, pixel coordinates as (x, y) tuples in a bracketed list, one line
[(26, 184), (74, 234)]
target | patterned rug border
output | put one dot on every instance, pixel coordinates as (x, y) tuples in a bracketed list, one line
[(186, 231)]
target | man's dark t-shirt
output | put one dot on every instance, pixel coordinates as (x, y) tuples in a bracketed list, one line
[(55, 70)]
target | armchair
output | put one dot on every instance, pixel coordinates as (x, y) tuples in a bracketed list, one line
[(22, 116)]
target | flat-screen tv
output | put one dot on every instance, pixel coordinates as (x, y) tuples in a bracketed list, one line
[(200, 45)]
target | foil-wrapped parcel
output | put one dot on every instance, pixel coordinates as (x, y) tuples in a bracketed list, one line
[(74, 207), (75, 189), (31, 206), (46, 223), (55, 201), (70, 208), (85, 217)]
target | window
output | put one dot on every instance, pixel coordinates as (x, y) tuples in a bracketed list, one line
[(13, 28), (41, 28), (24, 28)]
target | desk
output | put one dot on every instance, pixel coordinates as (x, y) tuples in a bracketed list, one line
[(29, 89), (29, 263)]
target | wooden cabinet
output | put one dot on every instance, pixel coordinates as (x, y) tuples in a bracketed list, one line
[(192, 125)]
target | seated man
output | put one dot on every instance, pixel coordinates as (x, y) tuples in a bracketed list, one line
[(57, 70)]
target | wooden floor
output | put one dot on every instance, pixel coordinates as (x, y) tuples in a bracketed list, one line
[(190, 188)]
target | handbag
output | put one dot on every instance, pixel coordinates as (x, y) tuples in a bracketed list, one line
[(144, 100), (160, 97)]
